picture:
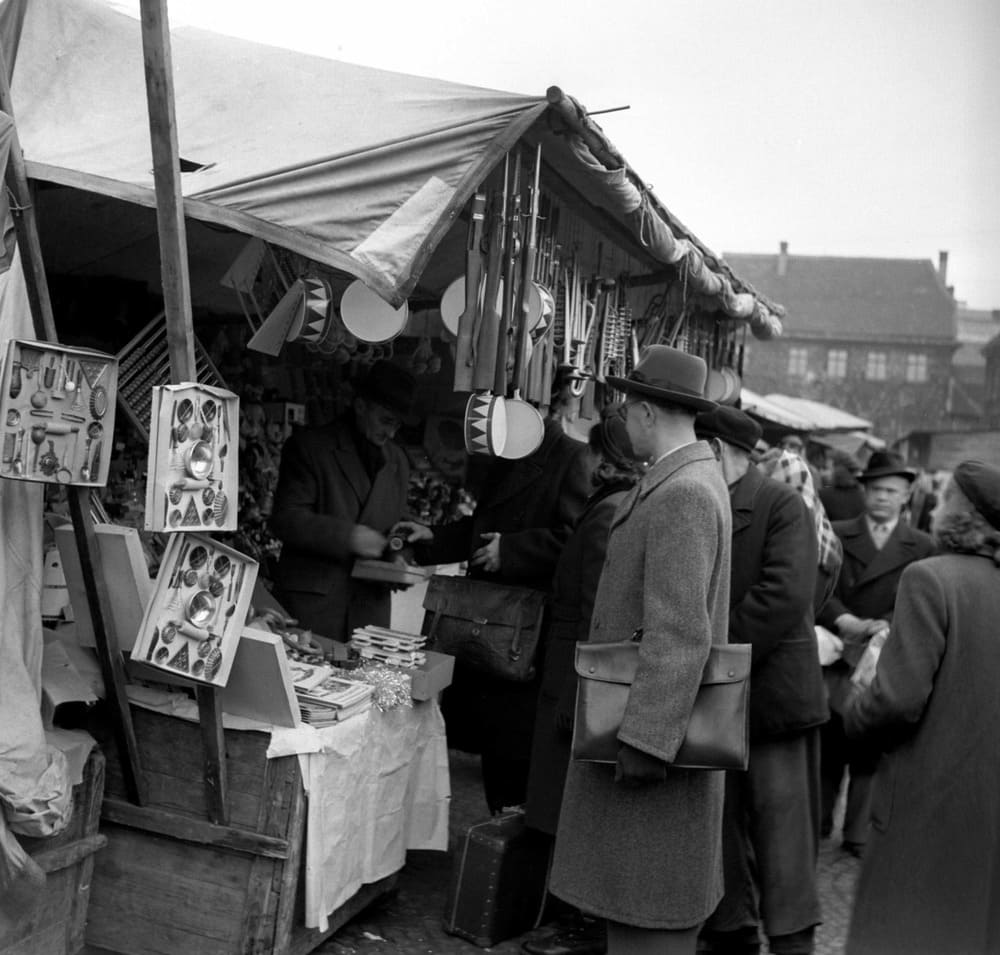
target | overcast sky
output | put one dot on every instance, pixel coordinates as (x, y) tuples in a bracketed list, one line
[(844, 127)]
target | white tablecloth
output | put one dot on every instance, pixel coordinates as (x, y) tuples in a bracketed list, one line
[(378, 787)]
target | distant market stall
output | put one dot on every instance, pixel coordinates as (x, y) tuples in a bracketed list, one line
[(310, 186)]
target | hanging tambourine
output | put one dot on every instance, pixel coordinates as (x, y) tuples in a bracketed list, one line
[(368, 317)]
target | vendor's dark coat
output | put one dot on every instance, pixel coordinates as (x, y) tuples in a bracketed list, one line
[(771, 596), (573, 591), (652, 856), (931, 876), (532, 503), (323, 493), (867, 587)]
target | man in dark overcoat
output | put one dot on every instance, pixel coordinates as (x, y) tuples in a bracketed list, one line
[(770, 829), (525, 512), (640, 844), (878, 546), (341, 488)]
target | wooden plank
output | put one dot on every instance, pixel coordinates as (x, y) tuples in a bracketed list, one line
[(291, 887), (216, 784), (258, 907), (64, 857), (196, 831), (108, 652), (167, 181), (22, 211), (177, 306), (159, 896)]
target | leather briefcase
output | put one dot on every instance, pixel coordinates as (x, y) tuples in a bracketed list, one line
[(717, 734), (493, 628)]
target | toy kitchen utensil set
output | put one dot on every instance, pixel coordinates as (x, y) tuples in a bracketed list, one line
[(192, 472), (57, 405), (195, 618)]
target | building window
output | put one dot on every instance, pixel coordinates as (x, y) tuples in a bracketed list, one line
[(916, 368), (876, 368), (798, 361), (836, 363)]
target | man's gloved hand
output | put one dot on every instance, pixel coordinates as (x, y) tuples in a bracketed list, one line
[(636, 768)]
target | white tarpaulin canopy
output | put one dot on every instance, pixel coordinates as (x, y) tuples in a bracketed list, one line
[(359, 169), (354, 167)]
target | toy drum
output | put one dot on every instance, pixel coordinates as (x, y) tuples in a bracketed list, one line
[(485, 424)]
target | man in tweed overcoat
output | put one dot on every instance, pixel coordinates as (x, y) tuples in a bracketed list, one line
[(639, 844)]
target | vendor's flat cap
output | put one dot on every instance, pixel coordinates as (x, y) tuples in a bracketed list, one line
[(730, 425), (980, 483)]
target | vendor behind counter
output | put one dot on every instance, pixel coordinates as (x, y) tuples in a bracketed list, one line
[(341, 488)]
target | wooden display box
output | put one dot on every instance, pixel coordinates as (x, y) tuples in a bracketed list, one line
[(56, 923), (172, 883), (57, 410)]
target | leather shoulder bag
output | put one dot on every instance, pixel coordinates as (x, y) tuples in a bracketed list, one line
[(717, 735), (493, 628)]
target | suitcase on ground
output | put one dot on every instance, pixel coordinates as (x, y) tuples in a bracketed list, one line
[(498, 881)]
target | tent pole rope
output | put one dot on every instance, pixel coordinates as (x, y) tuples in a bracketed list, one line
[(108, 650)]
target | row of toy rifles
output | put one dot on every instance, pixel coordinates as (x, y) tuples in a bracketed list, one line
[(529, 308)]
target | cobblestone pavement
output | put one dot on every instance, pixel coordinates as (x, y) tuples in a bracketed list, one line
[(408, 920)]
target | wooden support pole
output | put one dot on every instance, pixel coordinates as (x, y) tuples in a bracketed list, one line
[(167, 180), (109, 653), (177, 305)]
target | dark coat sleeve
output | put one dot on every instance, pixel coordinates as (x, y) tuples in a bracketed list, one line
[(890, 708), (297, 519), (533, 552), (593, 533), (783, 593)]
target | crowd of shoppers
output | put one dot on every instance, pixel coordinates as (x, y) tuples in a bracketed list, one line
[(873, 652)]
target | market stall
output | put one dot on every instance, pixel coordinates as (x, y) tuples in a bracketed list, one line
[(482, 239)]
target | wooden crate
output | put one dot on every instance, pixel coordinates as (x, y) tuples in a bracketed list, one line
[(172, 883), (55, 923)]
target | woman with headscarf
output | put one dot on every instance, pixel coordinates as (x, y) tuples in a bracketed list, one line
[(930, 882), (789, 468), (570, 609)]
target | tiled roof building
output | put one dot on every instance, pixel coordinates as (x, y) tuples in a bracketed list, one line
[(874, 337)]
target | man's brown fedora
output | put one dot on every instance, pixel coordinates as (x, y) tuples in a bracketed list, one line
[(670, 375)]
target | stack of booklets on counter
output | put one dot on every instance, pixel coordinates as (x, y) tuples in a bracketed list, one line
[(325, 698), (392, 647)]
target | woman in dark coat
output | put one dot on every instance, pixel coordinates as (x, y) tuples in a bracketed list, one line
[(573, 589), (931, 876), (524, 514)]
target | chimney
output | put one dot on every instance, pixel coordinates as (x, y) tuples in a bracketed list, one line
[(783, 259), (943, 267)]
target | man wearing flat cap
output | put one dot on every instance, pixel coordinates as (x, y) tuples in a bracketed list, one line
[(639, 844), (878, 546), (770, 835), (340, 490)]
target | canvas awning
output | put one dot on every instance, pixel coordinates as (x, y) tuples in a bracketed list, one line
[(760, 407), (356, 168), (823, 417)]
